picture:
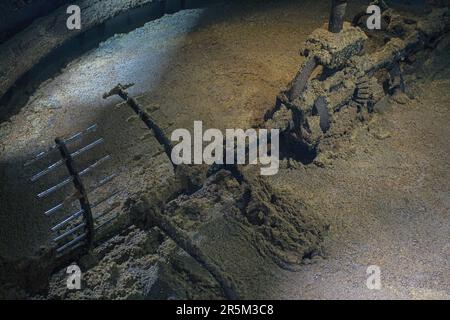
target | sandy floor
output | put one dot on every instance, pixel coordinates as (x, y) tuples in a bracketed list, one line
[(387, 200), (388, 204)]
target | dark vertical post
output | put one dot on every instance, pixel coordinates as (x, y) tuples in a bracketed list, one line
[(159, 134), (84, 202), (337, 15)]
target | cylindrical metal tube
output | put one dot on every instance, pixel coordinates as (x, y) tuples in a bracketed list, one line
[(71, 243), (69, 232), (61, 162), (337, 15), (67, 220)]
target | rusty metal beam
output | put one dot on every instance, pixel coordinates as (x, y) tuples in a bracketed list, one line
[(120, 90)]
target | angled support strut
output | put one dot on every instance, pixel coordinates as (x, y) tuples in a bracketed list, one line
[(120, 90)]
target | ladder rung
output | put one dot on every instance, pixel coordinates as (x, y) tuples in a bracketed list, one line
[(94, 165), (54, 188), (54, 209), (66, 181), (108, 221), (71, 248), (72, 197), (61, 162), (68, 244), (80, 134), (104, 213), (68, 219), (112, 195), (102, 182), (87, 148), (69, 232), (50, 168), (69, 140)]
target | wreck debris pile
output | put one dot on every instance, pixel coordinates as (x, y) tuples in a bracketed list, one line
[(349, 77), (230, 227), (225, 209)]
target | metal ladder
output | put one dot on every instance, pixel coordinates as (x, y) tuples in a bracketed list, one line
[(77, 229)]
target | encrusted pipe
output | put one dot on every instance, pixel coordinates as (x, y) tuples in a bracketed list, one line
[(337, 15)]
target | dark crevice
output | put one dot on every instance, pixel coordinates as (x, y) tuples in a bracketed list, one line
[(290, 149)]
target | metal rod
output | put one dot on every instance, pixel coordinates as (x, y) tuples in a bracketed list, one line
[(39, 156), (112, 195), (69, 140), (94, 165), (50, 168), (69, 232), (68, 244), (72, 197), (337, 15), (79, 135), (54, 188), (68, 219), (104, 213), (102, 182), (54, 209), (106, 222), (67, 181), (87, 148), (61, 162), (73, 247)]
